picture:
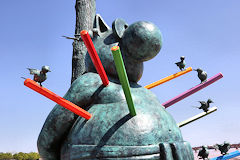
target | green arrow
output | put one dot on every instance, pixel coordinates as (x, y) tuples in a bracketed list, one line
[(123, 78)]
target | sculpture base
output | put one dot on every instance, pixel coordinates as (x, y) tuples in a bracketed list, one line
[(163, 151)]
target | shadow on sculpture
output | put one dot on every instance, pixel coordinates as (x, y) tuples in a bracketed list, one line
[(110, 132)]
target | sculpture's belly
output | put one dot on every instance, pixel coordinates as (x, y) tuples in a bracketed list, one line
[(113, 130), (112, 125)]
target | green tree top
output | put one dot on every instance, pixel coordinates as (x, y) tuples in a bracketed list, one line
[(19, 156)]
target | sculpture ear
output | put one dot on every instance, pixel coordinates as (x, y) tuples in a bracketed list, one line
[(118, 27), (100, 25)]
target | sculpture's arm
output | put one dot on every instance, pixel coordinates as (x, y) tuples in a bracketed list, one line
[(55, 128), (60, 120)]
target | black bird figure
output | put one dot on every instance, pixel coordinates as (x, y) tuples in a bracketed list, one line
[(39, 76), (202, 75), (203, 153), (205, 105), (223, 148), (182, 63)]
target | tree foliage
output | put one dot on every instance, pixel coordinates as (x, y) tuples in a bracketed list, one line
[(33, 156), (6, 156), (19, 156)]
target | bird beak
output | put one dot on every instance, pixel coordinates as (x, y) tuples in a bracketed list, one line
[(49, 71), (194, 69)]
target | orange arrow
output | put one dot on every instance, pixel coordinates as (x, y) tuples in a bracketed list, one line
[(161, 81), (59, 100)]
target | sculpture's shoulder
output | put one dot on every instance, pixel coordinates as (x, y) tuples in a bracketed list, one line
[(89, 87), (83, 88), (87, 80)]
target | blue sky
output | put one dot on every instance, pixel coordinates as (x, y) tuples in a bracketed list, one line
[(205, 32)]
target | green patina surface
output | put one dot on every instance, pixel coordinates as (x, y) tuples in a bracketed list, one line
[(112, 133)]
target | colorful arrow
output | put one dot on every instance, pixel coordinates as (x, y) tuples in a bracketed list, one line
[(192, 90), (194, 118), (228, 156), (94, 56), (59, 100), (166, 79), (123, 78)]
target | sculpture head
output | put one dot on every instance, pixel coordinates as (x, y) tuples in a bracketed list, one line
[(45, 69), (226, 143), (182, 58), (199, 70), (209, 101), (139, 42)]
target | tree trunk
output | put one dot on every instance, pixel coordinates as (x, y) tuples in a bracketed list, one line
[(85, 14)]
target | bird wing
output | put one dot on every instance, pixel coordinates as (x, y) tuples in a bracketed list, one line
[(220, 147), (226, 146), (203, 76), (33, 71), (200, 153), (202, 102), (178, 63)]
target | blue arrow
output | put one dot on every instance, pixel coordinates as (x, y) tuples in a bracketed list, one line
[(228, 156)]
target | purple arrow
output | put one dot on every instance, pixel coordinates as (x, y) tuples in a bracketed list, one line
[(192, 90)]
